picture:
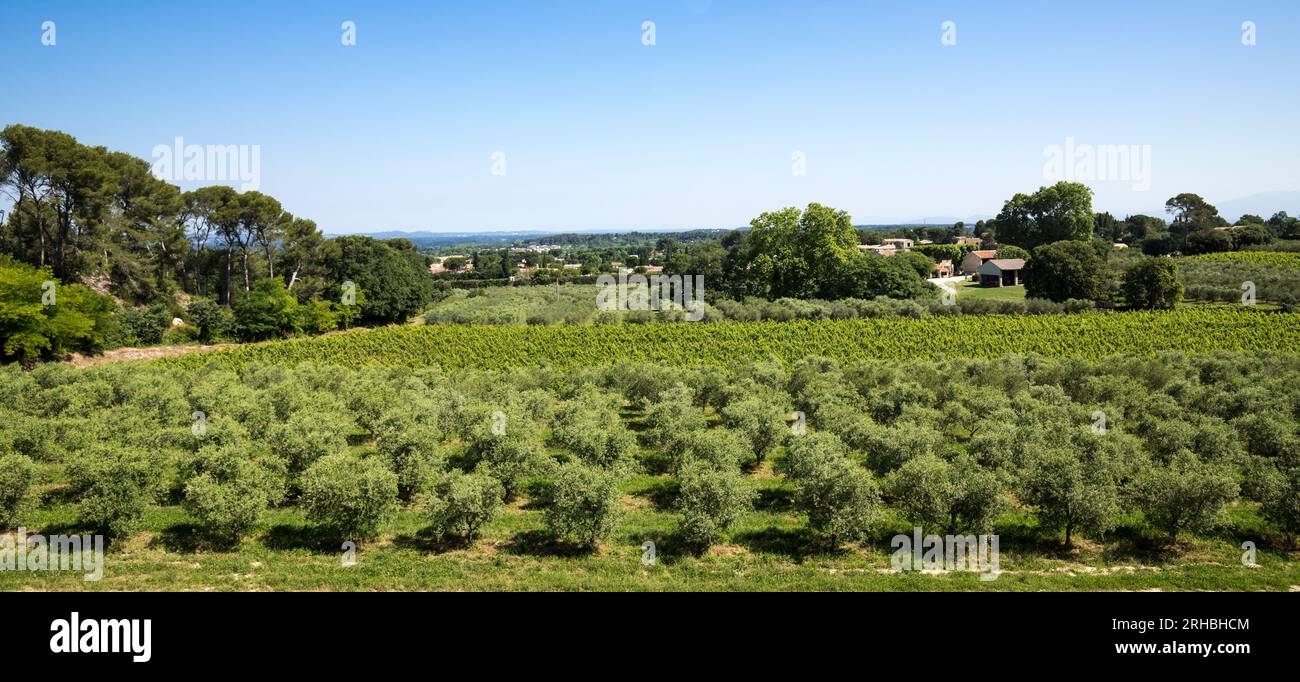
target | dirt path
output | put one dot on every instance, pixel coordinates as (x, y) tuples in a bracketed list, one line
[(122, 354)]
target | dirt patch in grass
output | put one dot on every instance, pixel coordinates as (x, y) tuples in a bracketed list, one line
[(126, 354)]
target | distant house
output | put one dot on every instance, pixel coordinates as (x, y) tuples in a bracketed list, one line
[(1001, 272), (898, 244), (923, 242), (969, 240), (878, 249), (943, 268), (971, 262), (1119, 246)]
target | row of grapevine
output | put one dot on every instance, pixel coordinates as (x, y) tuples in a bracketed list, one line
[(1285, 259), (1090, 336)]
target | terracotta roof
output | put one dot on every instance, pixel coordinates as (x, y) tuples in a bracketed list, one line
[(1008, 263), (986, 254)]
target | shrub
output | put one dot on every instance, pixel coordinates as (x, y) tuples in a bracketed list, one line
[(718, 448), (840, 498), (584, 505), (1282, 503), (461, 504), (116, 486), (710, 501), (762, 422), (307, 437), (144, 326), (1185, 495), (511, 462), (349, 495), (805, 453), (29, 330), (211, 319), (411, 449), (226, 491), (266, 311), (17, 474), (952, 496)]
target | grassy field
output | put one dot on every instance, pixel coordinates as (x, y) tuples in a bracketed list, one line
[(768, 551), (972, 291), (1090, 336)]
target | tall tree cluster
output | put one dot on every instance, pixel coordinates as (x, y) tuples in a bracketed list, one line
[(101, 218)]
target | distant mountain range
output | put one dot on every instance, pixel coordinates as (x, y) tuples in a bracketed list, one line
[(1264, 205)]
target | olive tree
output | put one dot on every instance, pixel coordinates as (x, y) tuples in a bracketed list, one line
[(350, 495), (17, 474), (461, 504), (954, 496), (711, 501), (840, 498), (1186, 494), (584, 504), (116, 486), (1072, 492)]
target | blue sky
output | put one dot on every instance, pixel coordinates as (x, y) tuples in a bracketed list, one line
[(698, 130)]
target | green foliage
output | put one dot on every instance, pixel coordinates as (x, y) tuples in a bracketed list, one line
[(840, 498), (710, 501), (761, 422), (115, 485), (1152, 284), (307, 437), (721, 449), (461, 504), (1062, 212), (411, 449), (228, 491), (1065, 270), (1208, 241), (213, 321), (391, 284), (1187, 494), (584, 505), (1087, 337), (77, 320), (349, 495), (1072, 491), (267, 311), (17, 475), (143, 326), (958, 496)]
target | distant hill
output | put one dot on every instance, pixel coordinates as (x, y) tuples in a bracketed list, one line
[(1264, 205)]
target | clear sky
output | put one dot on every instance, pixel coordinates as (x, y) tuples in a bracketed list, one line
[(698, 130)]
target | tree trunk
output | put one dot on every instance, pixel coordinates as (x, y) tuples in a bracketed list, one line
[(229, 258)]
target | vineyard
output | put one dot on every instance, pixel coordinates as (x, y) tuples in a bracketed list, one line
[(1285, 259), (1090, 336)]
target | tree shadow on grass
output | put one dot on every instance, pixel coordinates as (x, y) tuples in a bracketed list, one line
[(662, 493), (540, 543), (428, 541), (774, 500), (189, 538), (313, 538), (1128, 543), (795, 543)]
